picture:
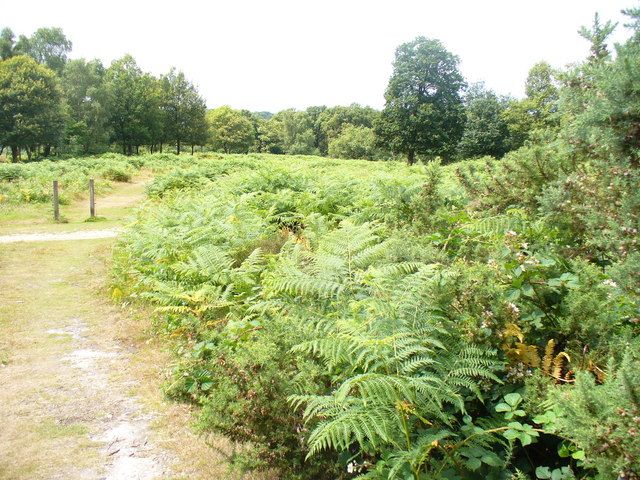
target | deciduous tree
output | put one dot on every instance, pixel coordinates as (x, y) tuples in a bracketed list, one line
[(537, 110), (230, 130), (423, 113), (6, 43), (134, 102), (86, 102), (290, 131), (184, 110), (486, 131), (48, 46), (30, 105)]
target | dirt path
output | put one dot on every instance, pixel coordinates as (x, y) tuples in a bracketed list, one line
[(80, 378), (67, 407), (66, 394), (52, 237)]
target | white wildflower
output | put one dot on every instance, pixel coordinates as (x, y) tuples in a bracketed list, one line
[(513, 307)]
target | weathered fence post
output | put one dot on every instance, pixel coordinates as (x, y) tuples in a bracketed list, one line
[(56, 204), (92, 199)]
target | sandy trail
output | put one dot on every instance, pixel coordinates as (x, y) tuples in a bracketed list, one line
[(67, 398), (52, 237), (70, 411), (80, 377)]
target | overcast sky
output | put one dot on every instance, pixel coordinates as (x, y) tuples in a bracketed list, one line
[(275, 54)]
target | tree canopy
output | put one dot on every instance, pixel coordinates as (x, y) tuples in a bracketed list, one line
[(230, 130), (423, 113), (30, 105), (184, 110), (486, 132)]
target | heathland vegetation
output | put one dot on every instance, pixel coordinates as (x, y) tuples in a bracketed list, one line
[(465, 319)]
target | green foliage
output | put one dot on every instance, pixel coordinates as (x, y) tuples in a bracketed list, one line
[(485, 132), (183, 112), (332, 122), (134, 104), (230, 131), (597, 36), (346, 318), (30, 105), (87, 103), (48, 46), (6, 43), (423, 113), (31, 182), (291, 132), (603, 419), (354, 142), (536, 112)]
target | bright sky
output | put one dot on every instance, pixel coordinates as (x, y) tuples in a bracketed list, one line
[(276, 54)]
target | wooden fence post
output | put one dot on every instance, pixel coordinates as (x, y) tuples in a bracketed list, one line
[(92, 199), (56, 204)]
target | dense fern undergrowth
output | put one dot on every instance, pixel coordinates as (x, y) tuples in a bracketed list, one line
[(350, 319), (345, 319)]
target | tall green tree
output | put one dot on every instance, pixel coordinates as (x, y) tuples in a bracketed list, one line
[(315, 115), (184, 109), (48, 46), (30, 105), (86, 103), (134, 104), (486, 132), (423, 113), (230, 130), (257, 119)]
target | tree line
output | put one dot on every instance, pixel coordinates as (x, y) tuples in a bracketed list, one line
[(49, 102), (80, 107)]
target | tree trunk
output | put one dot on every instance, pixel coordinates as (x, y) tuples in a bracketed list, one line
[(160, 147), (411, 157), (129, 150), (192, 149), (29, 152), (15, 153), (178, 149), (124, 148), (137, 150), (47, 150)]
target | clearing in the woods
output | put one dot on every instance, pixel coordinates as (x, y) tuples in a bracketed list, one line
[(81, 377)]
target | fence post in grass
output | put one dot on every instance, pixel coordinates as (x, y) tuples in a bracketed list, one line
[(56, 204), (92, 199)]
